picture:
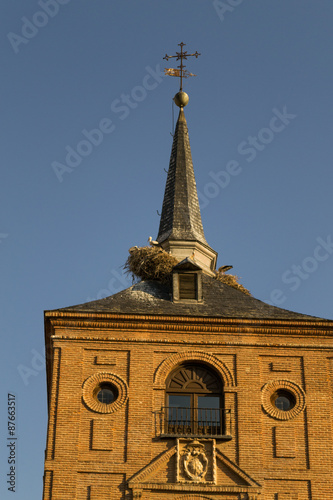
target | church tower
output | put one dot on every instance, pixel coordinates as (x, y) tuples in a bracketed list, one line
[(183, 386)]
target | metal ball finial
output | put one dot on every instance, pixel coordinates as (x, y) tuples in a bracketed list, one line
[(181, 99)]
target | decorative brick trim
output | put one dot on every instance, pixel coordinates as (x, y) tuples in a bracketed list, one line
[(48, 478), (152, 467), (175, 359), (206, 488), (236, 469), (271, 387), (89, 390), (178, 324), (243, 496), (97, 338), (91, 316), (50, 447), (192, 497)]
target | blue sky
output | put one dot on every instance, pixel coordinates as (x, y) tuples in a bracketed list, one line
[(260, 124)]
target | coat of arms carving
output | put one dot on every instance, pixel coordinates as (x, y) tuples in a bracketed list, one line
[(196, 461)]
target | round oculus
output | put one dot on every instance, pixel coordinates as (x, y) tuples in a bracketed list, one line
[(283, 400), (104, 392), (107, 394)]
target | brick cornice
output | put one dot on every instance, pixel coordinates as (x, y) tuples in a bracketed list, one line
[(187, 324), (189, 343), (205, 488)]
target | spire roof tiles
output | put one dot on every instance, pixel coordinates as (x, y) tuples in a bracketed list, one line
[(181, 218)]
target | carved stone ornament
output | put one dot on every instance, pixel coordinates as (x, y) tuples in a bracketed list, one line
[(196, 461)]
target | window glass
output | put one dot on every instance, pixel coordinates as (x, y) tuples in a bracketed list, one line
[(208, 401), (283, 403), (107, 394), (208, 410), (179, 413), (180, 401), (283, 400)]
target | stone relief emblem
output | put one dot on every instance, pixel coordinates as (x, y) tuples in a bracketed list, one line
[(196, 461)]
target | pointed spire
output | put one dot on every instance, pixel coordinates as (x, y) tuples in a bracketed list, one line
[(181, 232), (181, 218)]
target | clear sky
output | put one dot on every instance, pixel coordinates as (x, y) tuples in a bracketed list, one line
[(73, 199)]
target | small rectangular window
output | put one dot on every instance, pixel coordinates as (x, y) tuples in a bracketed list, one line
[(188, 286)]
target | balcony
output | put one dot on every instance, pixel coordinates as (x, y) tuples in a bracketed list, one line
[(194, 422)]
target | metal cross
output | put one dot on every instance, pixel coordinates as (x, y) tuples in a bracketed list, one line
[(180, 72)]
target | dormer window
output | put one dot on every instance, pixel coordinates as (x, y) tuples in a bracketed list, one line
[(187, 285)]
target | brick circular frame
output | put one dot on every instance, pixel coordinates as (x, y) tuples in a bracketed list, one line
[(92, 382), (271, 387), (175, 359)]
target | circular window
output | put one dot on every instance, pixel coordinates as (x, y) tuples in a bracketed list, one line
[(104, 392), (107, 393), (283, 399)]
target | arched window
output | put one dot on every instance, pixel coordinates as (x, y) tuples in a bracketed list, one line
[(194, 402)]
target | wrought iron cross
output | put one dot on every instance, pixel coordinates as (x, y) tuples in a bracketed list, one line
[(180, 72)]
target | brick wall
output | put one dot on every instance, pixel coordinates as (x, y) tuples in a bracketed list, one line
[(93, 455)]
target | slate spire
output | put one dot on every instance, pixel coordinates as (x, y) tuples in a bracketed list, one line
[(181, 218), (181, 231)]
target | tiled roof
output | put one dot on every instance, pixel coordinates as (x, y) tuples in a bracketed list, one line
[(219, 300)]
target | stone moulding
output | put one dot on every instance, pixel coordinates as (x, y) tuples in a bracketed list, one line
[(270, 389), (89, 389), (200, 356)]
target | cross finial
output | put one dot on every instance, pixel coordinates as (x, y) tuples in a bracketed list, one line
[(181, 73)]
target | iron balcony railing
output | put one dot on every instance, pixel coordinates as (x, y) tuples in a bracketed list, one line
[(205, 422)]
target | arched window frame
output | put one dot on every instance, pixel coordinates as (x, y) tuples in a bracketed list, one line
[(195, 418)]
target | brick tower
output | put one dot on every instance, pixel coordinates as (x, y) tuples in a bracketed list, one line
[(187, 388)]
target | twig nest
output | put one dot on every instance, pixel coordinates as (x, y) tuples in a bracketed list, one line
[(154, 263), (231, 280), (150, 263)]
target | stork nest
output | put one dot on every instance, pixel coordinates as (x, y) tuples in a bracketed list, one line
[(150, 263), (231, 280), (154, 263)]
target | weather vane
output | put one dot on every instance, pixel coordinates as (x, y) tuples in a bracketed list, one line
[(181, 72)]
